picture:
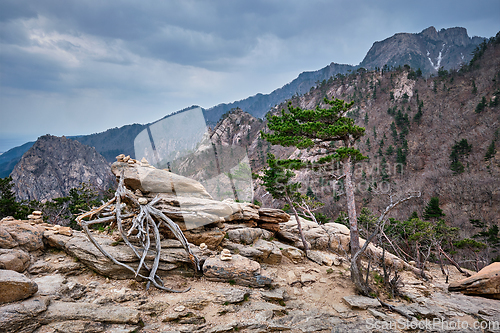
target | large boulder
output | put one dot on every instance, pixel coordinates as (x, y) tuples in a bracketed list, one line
[(485, 283), (15, 260), (173, 259), (239, 270), (152, 181), (28, 237), (15, 286)]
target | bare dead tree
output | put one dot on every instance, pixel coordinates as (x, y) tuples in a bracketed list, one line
[(356, 274), (146, 220)]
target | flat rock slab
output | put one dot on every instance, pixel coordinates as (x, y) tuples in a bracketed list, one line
[(323, 258), (361, 302), (50, 284), (273, 295), (62, 311), (22, 316), (239, 270), (230, 295), (15, 286)]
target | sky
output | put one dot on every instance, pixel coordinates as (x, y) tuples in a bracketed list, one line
[(73, 67)]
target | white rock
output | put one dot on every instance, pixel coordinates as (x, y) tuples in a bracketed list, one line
[(180, 308), (143, 201)]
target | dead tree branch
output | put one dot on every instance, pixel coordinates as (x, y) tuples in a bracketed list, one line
[(146, 220)]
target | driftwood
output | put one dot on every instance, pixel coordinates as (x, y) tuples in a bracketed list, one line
[(146, 220)]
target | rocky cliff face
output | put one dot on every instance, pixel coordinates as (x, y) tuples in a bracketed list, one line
[(428, 50), (53, 165)]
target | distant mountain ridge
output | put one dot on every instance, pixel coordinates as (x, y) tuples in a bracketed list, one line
[(54, 165), (427, 50)]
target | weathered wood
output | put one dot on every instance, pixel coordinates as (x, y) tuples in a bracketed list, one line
[(145, 219)]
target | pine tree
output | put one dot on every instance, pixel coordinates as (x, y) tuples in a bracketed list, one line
[(8, 204), (491, 151), (432, 210), (317, 128), (277, 180)]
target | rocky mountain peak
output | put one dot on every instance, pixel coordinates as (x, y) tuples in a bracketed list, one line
[(54, 165), (428, 50)]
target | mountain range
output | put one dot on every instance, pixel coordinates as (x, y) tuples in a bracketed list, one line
[(428, 50)]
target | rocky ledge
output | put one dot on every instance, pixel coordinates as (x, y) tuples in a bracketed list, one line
[(255, 277)]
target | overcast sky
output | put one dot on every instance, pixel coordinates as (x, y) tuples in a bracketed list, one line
[(70, 67)]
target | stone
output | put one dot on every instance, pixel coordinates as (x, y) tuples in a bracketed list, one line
[(143, 201), (203, 246), (6, 240), (61, 311), (324, 258), (294, 254), (154, 308), (225, 255), (271, 253), (75, 291), (272, 215), (171, 258), (66, 267), (196, 303), (230, 295), (78, 326), (15, 286), (306, 278), (66, 231), (50, 284), (14, 260), (22, 316), (485, 283), (247, 235), (28, 237), (184, 318), (361, 302), (211, 238), (153, 181), (273, 295), (239, 270)]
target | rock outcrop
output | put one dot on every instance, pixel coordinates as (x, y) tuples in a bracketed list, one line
[(54, 165), (485, 283), (428, 50), (15, 286)]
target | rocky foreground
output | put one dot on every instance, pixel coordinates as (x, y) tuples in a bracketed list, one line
[(254, 278)]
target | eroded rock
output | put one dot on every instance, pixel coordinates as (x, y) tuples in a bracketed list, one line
[(15, 286), (486, 282), (15, 260), (239, 270)]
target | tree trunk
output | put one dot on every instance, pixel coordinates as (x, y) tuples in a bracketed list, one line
[(306, 247), (351, 207)]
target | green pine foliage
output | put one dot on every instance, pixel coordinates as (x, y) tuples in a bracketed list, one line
[(308, 128), (459, 150), (8, 204), (277, 179), (491, 151), (481, 105), (432, 210)]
